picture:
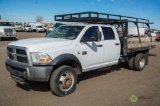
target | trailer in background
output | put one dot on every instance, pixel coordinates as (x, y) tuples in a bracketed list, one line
[(132, 31)]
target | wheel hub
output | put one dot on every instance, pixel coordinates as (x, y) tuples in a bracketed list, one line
[(67, 82), (142, 62)]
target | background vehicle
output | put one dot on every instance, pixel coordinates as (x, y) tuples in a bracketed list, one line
[(18, 26), (70, 50), (51, 28), (158, 36), (133, 31), (6, 30), (38, 27), (28, 28)]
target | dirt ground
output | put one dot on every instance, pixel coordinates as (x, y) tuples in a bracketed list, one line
[(112, 87)]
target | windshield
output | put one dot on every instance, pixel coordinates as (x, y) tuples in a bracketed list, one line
[(39, 27), (5, 24), (66, 32), (18, 24), (28, 26)]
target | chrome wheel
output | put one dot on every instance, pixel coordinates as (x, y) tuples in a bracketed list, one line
[(63, 80), (139, 62), (142, 63), (66, 81)]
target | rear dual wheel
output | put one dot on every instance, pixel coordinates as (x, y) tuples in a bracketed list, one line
[(137, 62)]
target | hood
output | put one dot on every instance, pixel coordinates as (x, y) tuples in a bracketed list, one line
[(38, 44), (6, 26)]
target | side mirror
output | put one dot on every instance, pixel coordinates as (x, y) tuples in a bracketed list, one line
[(99, 36)]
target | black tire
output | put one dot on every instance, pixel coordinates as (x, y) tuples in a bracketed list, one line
[(131, 62), (14, 38), (139, 62), (68, 81)]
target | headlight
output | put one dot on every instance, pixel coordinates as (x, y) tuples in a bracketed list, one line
[(40, 58)]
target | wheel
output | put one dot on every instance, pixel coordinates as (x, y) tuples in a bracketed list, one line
[(63, 80), (131, 62), (139, 62), (14, 38)]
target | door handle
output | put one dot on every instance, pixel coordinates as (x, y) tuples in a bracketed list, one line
[(84, 52), (99, 45), (116, 43)]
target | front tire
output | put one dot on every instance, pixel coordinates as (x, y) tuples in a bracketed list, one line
[(63, 80), (14, 38), (139, 62)]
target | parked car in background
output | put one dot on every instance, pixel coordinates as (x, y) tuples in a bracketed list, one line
[(18, 26)]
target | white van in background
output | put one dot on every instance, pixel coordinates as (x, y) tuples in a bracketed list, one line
[(38, 27)]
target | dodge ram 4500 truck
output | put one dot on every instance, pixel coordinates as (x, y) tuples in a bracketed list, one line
[(70, 50)]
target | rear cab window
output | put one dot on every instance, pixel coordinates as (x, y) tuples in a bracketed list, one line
[(108, 33)]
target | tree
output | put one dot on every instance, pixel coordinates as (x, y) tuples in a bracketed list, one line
[(39, 19)]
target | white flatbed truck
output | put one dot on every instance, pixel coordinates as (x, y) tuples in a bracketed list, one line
[(71, 50)]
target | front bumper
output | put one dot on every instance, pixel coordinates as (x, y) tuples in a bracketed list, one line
[(40, 30), (7, 35), (29, 30), (20, 73)]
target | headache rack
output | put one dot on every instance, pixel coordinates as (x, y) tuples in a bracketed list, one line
[(103, 18)]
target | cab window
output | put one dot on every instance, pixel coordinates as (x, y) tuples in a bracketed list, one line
[(91, 34), (108, 33)]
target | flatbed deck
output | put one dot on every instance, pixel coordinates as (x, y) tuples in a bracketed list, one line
[(134, 42)]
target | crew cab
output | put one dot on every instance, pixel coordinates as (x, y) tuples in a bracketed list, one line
[(70, 50)]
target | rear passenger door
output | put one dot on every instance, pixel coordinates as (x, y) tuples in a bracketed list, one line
[(111, 46)]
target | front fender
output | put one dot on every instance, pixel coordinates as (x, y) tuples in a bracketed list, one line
[(64, 57)]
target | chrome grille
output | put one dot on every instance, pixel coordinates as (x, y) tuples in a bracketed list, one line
[(18, 55), (8, 30)]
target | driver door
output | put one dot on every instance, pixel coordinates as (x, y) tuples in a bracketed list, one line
[(91, 49)]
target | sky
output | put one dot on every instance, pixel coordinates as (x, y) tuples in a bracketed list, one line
[(28, 10)]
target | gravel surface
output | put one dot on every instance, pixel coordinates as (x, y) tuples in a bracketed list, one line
[(111, 87)]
